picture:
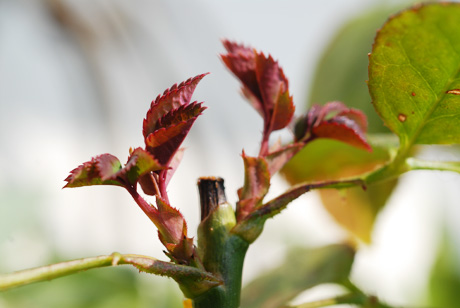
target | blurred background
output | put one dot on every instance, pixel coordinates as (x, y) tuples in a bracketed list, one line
[(76, 79)]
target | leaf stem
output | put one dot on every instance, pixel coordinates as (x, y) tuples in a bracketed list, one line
[(418, 164), (147, 208), (264, 144), (252, 225), (162, 185), (351, 298), (343, 299), (143, 263)]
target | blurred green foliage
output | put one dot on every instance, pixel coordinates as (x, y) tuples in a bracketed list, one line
[(444, 284), (302, 269), (100, 288)]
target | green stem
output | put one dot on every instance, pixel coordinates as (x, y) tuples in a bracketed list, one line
[(343, 299), (143, 263), (360, 299), (418, 164), (221, 252)]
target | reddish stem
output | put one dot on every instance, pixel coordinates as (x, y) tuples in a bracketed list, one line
[(264, 144), (162, 185), (146, 207)]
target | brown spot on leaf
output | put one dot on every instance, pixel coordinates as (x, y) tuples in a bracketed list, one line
[(402, 117), (454, 91), (413, 93)]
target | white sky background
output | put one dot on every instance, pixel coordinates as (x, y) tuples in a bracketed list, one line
[(69, 94)]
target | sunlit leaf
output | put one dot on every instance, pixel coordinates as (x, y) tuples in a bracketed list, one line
[(414, 74)]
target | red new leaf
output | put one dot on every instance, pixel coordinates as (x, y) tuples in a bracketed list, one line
[(173, 231), (335, 121), (271, 80), (140, 163), (108, 166), (172, 98), (283, 111), (264, 84), (181, 114), (278, 158), (256, 185), (168, 122), (173, 164), (241, 61), (101, 170), (164, 143)]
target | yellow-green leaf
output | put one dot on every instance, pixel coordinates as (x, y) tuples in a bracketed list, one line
[(414, 74), (354, 209)]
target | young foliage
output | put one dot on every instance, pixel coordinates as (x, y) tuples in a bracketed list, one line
[(415, 86), (165, 126), (266, 87)]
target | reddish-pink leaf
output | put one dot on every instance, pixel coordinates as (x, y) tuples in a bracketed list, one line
[(149, 183), (108, 166), (173, 164), (334, 120), (139, 164), (89, 173), (172, 224), (357, 116), (173, 98), (181, 114), (277, 159), (329, 110), (256, 184), (342, 129), (283, 112), (173, 231), (241, 61), (271, 81), (163, 143), (254, 101), (264, 84)]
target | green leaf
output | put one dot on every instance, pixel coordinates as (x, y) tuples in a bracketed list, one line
[(414, 74), (302, 269), (327, 160), (356, 209), (353, 208)]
